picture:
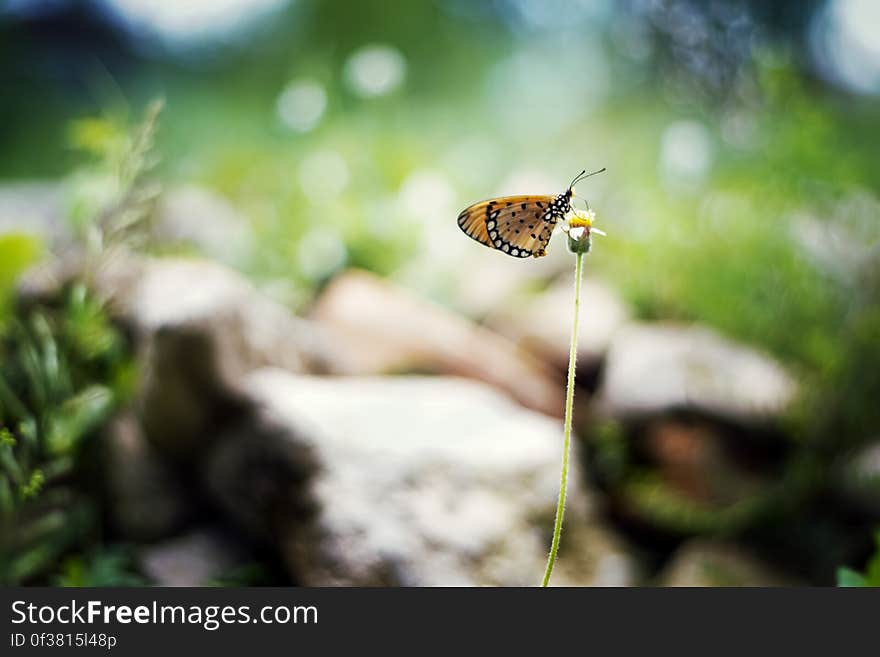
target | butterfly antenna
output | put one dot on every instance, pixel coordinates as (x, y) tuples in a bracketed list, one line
[(583, 174)]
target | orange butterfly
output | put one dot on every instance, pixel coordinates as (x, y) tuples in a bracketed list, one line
[(519, 226)]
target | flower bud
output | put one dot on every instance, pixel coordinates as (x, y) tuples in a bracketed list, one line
[(579, 231)]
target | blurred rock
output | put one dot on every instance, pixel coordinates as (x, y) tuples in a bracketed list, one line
[(198, 327), (694, 457), (202, 218), (44, 282), (406, 481), (700, 562), (37, 208), (201, 328), (542, 323), (859, 479), (376, 327), (655, 368), (195, 559), (689, 476), (147, 500)]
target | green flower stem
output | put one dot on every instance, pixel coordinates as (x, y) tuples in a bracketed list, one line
[(566, 435)]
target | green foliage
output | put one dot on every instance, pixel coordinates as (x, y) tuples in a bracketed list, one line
[(610, 457), (111, 198), (34, 485), (65, 368), (646, 494), (17, 251), (109, 566), (57, 367), (776, 248), (871, 576), (770, 253), (246, 574)]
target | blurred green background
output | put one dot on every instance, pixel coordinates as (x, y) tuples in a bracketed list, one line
[(741, 140)]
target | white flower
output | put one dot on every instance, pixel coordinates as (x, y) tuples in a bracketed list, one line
[(579, 229)]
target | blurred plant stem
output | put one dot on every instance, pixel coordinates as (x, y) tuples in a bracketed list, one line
[(569, 403)]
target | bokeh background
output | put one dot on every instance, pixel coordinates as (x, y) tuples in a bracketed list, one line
[(244, 341)]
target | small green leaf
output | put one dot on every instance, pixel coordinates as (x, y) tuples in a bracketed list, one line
[(78, 416), (34, 485), (6, 437), (17, 252), (850, 578), (872, 571)]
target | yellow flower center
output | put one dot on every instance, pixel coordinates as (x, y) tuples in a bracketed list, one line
[(580, 221)]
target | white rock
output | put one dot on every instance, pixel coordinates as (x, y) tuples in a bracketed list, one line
[(376, 327), (408, 481), (654, 368), (198, 327), (203, 328), (34, 207), (859, 478), (194, 559)]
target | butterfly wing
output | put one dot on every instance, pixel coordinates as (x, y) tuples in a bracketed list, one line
[(519, 226), (472, 221)]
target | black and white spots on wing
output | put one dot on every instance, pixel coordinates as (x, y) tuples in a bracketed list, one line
[(496, 234)]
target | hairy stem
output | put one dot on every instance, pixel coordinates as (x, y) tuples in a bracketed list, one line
[(566, 435)]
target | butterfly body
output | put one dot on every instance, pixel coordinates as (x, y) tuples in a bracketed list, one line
[(520, 226)]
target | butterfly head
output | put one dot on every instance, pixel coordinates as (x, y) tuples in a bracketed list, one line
[(561, 205)]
